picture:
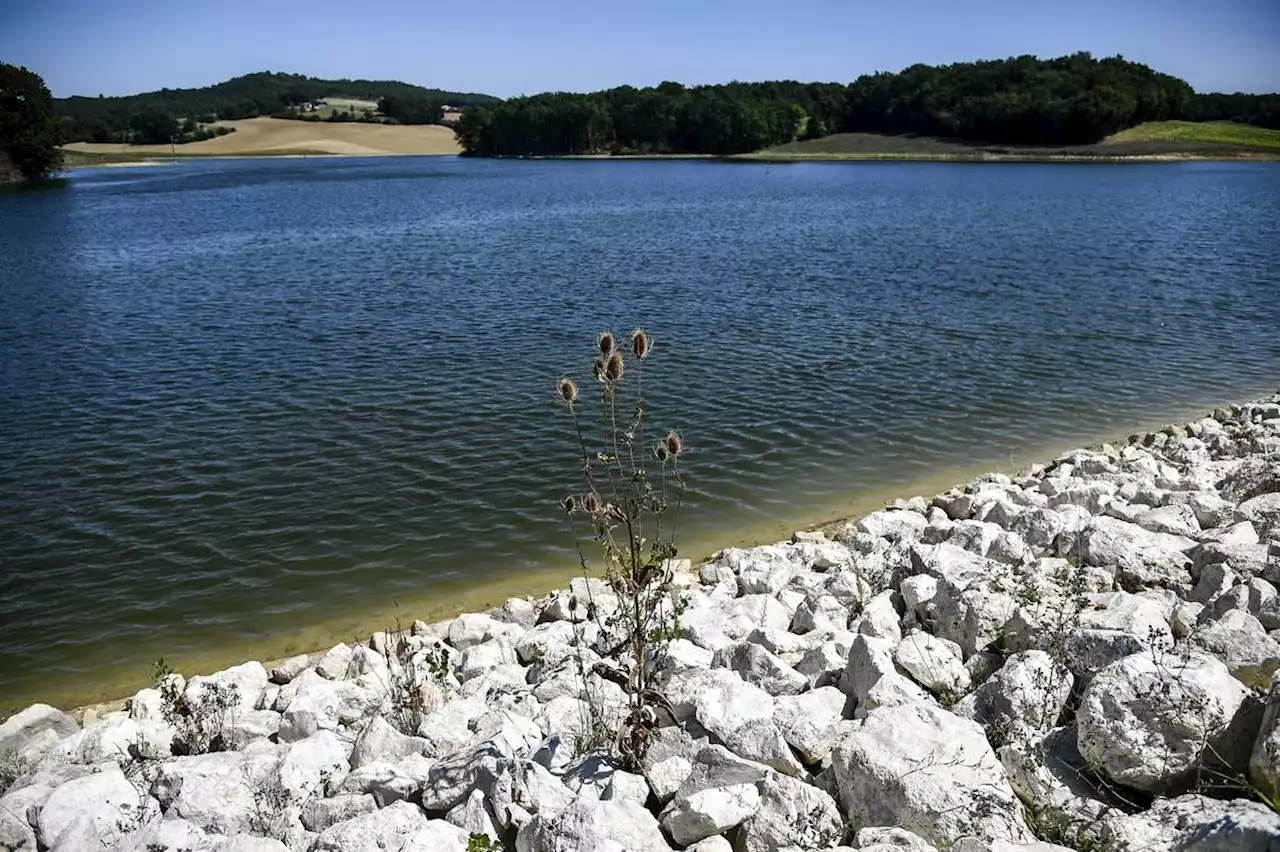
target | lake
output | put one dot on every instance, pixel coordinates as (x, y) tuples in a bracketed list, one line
[(250, 407)]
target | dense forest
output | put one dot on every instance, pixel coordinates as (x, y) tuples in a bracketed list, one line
[(1025, 100), (29, 135), (117, 119)]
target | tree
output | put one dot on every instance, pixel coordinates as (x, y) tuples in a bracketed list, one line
[(29, 131), (412, 110), (154, 128)]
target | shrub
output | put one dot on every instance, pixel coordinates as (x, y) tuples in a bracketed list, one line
[(200, 723)]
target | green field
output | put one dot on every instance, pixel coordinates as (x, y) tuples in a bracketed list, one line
[(1200, 133)]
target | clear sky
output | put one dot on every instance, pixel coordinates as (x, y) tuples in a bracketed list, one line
[(508, 47)]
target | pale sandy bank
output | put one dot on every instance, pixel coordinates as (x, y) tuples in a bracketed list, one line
[(277, 136)]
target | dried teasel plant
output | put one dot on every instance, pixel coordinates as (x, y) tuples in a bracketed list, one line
[(628, 512)]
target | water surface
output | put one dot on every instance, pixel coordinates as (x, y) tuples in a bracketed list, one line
[(253, 406)]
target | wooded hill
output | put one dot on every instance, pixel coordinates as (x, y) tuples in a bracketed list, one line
[(117, 119), (1071, 100)]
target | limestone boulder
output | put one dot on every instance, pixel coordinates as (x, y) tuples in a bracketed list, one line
[(31, 732), (95, 806), (1193, 823), (790, 813), (929, 771), (810, 722), (933, 663), (1147, 720), (379, 831), (593, 826), (759, 667), (1026, 696)]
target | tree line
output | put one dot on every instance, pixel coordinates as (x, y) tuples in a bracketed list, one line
[(1070, 100), (114, 119)]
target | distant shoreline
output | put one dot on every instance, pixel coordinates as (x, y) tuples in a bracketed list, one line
[(80, 160)]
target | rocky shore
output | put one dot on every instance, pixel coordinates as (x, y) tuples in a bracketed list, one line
[(1083, 656)]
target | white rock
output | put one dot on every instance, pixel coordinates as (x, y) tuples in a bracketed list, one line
[(451, 780), (111, 738), (315, 707), (714, 627), (820, 611), (895, 525), (711, 811), (319, 814), (891, 839), (1142, 557), (1146, 722), (379, 741), (761, 668), (437, 835), (167, 835), (104, 800), (810, 722), (1262, 511), (475, 816), (790, 813), (471, 629), (245, 726), (593, 826), (918, 591), (1242, 644), (879, 619), (288, 669), (762, 742), (333, 665), (248, 680), (871, 679), (382, 830), (730, 703), (249, 843), (210, 790), (934, 663), (484, 657), (1029, 693), (926, 770), (31, 732), (1196, 824), (1174, 520)]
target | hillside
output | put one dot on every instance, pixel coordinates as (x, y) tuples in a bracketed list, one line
[(275, 136), (90, 119), (1191, 133), (1067, 101), (1151, 139)]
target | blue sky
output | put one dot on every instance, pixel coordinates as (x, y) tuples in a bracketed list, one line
[(508, 47)]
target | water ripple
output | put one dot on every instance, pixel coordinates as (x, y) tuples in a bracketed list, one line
[(240, 398)]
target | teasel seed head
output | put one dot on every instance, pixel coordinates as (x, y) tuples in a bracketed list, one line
[(567, 390), (674, 445), (641, 345), (597, 367), (570, 504), (591, 503), (613, 368), (606, 343), (660, 451)]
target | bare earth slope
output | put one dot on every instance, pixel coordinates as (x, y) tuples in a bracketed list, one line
[(281, 136)]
